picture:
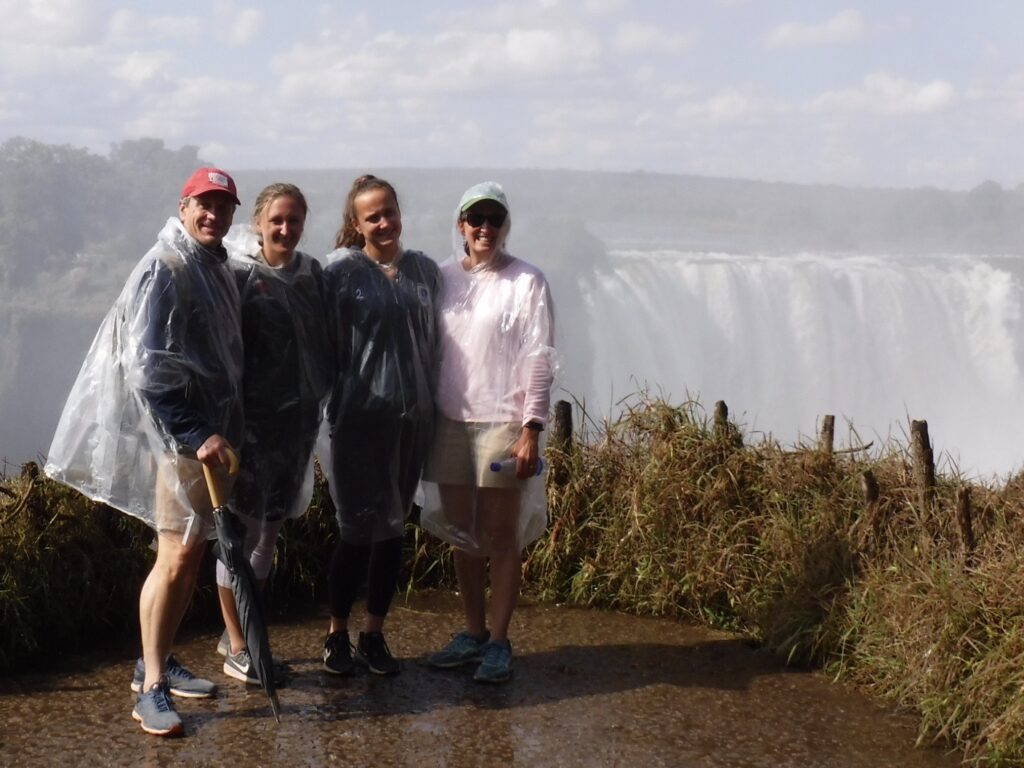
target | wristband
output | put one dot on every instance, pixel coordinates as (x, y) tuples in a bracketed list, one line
[(536, 426)]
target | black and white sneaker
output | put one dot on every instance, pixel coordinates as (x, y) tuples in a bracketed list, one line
[(338, 654), (373, 653)]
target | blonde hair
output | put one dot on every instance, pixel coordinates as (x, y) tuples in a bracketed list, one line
[(271, 192)]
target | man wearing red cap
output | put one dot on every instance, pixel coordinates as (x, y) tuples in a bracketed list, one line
[(157, 398)]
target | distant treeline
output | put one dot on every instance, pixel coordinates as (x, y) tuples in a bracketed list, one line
[(57, 202)]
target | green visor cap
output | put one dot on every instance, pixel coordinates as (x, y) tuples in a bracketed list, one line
[(485, 190)]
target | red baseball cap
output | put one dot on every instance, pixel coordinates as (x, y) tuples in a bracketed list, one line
[(210, 180)]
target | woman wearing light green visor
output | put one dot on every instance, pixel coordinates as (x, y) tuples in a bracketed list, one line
[(482, 490)]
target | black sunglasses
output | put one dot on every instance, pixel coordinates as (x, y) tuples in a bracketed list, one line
[(495, 219)]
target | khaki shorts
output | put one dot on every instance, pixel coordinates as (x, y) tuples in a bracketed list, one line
[(463, 451), (182, 499)]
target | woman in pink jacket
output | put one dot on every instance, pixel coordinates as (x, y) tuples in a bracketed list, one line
[(493, 395)]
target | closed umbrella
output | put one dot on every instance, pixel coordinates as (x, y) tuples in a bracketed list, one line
[(230, 551)]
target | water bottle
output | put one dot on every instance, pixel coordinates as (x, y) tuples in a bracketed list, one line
[(508, 466)]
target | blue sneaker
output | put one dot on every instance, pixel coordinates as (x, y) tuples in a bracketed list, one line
[(497, 664), (462, 649), (155, 711), (180, 680)]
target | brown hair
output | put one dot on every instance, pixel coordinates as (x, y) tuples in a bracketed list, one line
[(348, 235), (271, 192)]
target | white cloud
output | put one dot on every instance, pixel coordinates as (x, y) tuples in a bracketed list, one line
[(51, 22), (245, 26), (633, 37), (730, 105), (602, 7), (537, 52), (130, 27), (394, 66), (845, 27), (882, 93), (141, 69)]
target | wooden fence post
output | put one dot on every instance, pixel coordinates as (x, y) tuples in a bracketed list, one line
[(963, 516), (827, 437), (561, 442), (872, 515), (721, 419), (924, 464)]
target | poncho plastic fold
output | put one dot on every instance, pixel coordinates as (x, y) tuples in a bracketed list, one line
[(386, 350), (287, 376), (498, 363), (164, 373)]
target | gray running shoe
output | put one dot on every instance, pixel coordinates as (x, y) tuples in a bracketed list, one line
[(155, 711), (497, 664), (373, 653), (462, 649), (239, 666), (224, 644), (180, 680), (338, 654)]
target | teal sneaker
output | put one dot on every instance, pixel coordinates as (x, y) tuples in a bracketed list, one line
[(180, 680), (497, 664), (462, 649), (154, 711)]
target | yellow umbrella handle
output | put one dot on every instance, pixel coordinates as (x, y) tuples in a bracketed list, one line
[(211, 481)]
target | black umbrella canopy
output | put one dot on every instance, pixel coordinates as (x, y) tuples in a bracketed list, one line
[(230, 550)]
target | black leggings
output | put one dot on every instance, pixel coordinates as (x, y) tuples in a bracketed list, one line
[(379, 563)]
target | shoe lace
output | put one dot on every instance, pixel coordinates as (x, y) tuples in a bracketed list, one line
[(161, 697), (495, 653), (175, 668)]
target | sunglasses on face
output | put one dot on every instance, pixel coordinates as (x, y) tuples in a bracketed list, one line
[(495, 219)]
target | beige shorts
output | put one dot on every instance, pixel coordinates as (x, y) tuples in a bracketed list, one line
[(463, 452), (182, 499)]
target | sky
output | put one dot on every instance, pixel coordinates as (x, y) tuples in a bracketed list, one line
[(886, 93)]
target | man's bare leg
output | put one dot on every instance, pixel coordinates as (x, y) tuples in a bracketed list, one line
[(165, 597)]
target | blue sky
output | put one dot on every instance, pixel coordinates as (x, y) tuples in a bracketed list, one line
[(869, 93)]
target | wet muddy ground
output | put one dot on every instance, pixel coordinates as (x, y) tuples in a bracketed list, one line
[(591, 688)]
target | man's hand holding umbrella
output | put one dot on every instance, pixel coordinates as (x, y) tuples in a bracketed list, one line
[(230, 549)]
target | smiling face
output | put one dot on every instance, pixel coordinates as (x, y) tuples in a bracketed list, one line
[(477, 225), (280, 224), (207, 217), (378, 219)]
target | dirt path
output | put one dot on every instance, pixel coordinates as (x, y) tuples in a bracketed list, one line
[(591, 688)]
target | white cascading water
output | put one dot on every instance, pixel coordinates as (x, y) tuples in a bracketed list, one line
[(785, 339)]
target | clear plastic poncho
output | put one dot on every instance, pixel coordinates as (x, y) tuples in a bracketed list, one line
[(287, 376), (381, 410), (163, 374), (498, 364)]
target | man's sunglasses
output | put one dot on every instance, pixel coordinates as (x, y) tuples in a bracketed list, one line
[(495, 219)]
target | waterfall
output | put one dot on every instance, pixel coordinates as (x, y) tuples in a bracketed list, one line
[(875, 340)]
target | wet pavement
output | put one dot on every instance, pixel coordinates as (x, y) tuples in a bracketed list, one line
[(591, 688)]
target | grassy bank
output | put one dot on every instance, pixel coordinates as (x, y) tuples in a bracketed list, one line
[(656, 513), (662, 514)]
